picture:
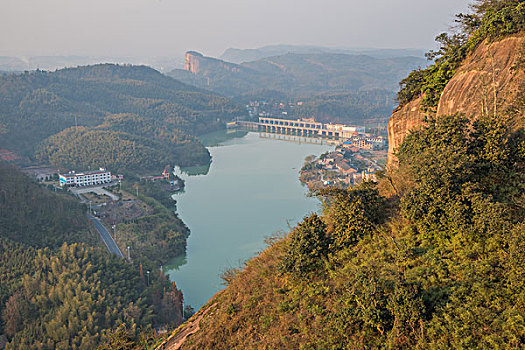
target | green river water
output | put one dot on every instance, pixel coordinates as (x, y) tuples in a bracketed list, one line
[(251, 190)]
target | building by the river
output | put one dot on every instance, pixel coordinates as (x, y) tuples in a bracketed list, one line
[(85, 178)]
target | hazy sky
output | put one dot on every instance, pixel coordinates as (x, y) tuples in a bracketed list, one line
[(170, 27)]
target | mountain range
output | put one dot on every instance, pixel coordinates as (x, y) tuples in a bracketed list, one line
[(296, 74)]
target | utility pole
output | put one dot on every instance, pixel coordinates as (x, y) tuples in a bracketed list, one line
[(114, 231), (147, 272), (129, 258)]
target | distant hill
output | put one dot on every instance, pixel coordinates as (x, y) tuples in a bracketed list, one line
[(297, 74), (8, 63), (38, 105), (247, 55)]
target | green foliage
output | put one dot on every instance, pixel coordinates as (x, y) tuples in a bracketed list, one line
[(109, 145), (158, 235), (309, 244), (462, 172), (34, 216), (494, 20), (352, 214)]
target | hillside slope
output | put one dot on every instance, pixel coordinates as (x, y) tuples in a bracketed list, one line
[(59, 288)]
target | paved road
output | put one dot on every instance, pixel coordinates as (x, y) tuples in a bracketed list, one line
[(106, 236)]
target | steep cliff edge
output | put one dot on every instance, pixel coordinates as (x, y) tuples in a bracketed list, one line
[(493, 72)]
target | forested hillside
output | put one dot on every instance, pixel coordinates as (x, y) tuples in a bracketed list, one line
[(38, 217), (59, 289), (430, 257), (38, 105)]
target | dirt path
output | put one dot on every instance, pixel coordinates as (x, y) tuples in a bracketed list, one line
[(175, 341)]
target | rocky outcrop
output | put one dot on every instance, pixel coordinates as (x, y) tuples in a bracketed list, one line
[(490, 81), (403, 120), (193, 61), (197, 63)]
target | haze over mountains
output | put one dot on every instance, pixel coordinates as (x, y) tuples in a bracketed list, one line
[(167, 63), (246, 55), (51, 63), (297, 71)]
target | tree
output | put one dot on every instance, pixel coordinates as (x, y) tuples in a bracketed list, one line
[(352, 213), (309, 244)]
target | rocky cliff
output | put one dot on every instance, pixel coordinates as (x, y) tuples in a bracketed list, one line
[(197, 63), (490, 81), (193, 61)]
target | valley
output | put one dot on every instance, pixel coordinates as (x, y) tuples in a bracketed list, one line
[(272, 197)]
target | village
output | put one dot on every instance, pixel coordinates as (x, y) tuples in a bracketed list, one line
[(348, 165)]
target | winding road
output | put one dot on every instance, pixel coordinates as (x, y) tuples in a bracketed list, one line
[(106, 236)]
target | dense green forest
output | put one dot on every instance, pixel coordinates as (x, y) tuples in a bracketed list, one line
[(59, 289), (122, 142), (37, 105), (37, 217)]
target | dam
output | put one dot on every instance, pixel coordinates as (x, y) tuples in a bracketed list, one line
[(307, 127)]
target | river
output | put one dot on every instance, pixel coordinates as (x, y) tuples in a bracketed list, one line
[(251, 190)]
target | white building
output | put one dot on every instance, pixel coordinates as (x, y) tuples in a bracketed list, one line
[(86, 178)]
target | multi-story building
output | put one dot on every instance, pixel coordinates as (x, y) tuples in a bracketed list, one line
[(86, 178)]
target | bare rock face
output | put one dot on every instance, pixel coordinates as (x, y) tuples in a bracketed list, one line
[(197, 63), (491, 73), (490, 81), (403, 120), (193, 61)]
